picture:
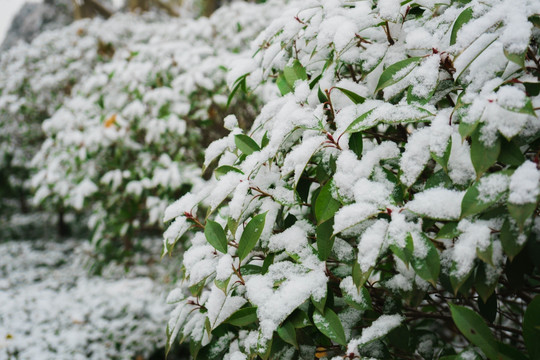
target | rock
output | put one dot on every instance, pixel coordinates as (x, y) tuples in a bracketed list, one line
[(34, 18)]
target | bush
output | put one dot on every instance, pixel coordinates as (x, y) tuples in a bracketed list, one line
[(385, 205), (127, 138), (34, 82)]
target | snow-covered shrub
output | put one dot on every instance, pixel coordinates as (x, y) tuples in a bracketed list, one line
[(34, 81), (52, 309), (128, 139), (385, 205)]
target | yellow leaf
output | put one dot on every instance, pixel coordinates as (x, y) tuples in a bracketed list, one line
[(110, 121)]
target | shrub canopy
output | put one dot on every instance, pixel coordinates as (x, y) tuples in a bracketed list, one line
[(384, 205)]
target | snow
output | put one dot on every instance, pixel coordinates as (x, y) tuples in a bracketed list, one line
[(297, 159), (380, 327), (373, 192), (224, 267), (389, 9), (221, 306), (166, 77), (370, 244), (525, 184), (274, 305), (351, 215), (53, 309), (474, 235), (491, 186), (230, 122), (437, 203), (348, 287), (460, 165), (416, 156), (200, 261)]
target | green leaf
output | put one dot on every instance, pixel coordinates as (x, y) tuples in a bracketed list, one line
[(400, 337), (319, 304), (478, 51), (325, 240), (355, 98), (246, 144), (294, 73), (264, 348), (355, 126), (509, 239), (516, 58), (314, 82), (482, 156), (268, 260), (287, 332), (222, 284), (300, 319), (223, 169), (443, 161), (528, 108), (439, 179), (330, 325), (364, 305), (472, 203), (486, 255), (321, 96), (359, 278), (251, 269), (325, 205), (243, 317), (507, 352), (483, 287), (405, 253), (356, 144), (215, 235), (467, 354), (462, 19), (535, 20), (265, 140), (194, 348), (428, 267), (510, 153), (448, 231), (459, 284), (232, 225), (388, 76), (196, 289), (475, 330), (532, 88), (413, 98), (521, 212), (239, 83), (207, 326), (251, 235), (283, 85), (488, 308), (466, 129), (531, 328)]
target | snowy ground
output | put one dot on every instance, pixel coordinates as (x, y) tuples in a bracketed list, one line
[(52, 309)]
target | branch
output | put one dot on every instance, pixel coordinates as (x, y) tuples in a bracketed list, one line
[(100, 9), (166, 7)]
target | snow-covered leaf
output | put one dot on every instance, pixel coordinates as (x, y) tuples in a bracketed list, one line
[(395, 72), (464, 17)]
